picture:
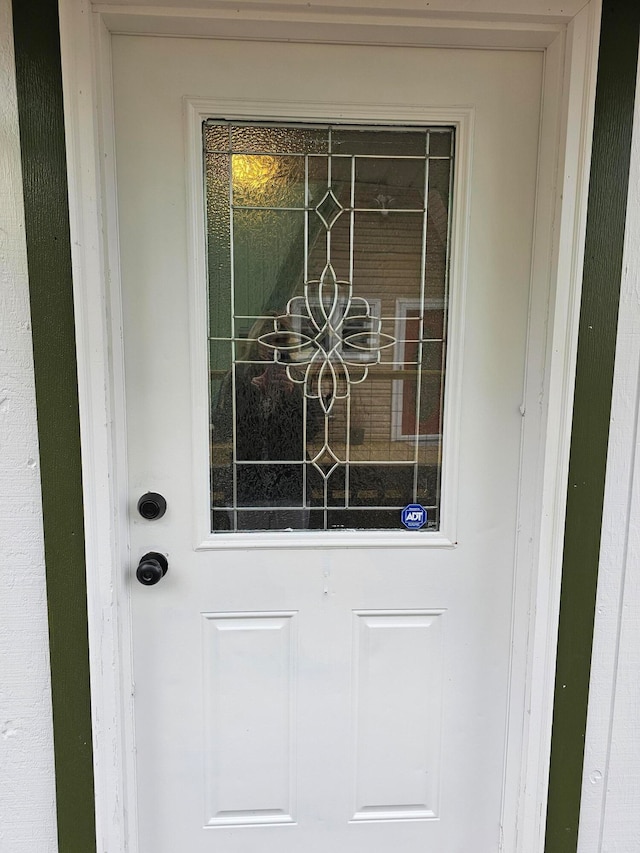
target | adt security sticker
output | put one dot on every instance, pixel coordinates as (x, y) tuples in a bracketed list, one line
[(414, 516)]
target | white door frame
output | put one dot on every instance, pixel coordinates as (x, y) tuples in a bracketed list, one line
[(568, 35)]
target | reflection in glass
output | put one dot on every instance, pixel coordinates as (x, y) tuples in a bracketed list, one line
[(265, 180), (328, 279), (389, 184), (441, 143)]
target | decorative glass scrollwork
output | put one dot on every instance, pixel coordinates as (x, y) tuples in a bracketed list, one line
[(327, 339)]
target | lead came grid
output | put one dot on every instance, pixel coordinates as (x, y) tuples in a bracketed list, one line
[(328, 268)]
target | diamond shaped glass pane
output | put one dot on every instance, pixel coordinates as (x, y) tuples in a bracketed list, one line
[(329, 209)]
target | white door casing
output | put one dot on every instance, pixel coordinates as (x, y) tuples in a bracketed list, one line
[(282, 615)]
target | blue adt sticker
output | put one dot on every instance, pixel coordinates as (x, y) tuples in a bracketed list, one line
[(414, 516)]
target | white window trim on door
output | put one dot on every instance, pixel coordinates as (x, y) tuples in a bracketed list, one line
[(196, 111), (570, 41)]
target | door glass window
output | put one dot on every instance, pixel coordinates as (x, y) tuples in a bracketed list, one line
[(328, 277)]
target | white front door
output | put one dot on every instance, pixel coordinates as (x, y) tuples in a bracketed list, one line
[(311, 674)]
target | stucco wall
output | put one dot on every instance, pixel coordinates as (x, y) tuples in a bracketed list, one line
[(27, 798), (609, 816)]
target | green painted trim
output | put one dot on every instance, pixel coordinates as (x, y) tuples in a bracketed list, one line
[(40, 110), (606, 214)]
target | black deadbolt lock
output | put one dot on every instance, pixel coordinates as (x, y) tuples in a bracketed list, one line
[(152, 506)]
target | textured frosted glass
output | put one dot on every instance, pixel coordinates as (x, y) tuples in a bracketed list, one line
[(216, 137), (279, 140), (264, 180)]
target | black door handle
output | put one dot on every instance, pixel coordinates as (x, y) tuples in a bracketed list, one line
[(152, 568)]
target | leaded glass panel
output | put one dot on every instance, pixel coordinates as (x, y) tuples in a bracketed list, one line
[(328, 282)]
